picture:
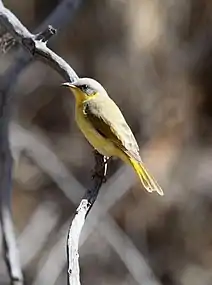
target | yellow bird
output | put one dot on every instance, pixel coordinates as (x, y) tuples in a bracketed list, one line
[(104, 126)]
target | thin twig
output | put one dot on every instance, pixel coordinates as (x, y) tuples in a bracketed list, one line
[(36, 46)]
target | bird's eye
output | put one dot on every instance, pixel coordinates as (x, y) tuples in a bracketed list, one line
[(87, 89), (84, 87)]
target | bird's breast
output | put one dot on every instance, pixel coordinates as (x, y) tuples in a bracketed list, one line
[(100, 143)]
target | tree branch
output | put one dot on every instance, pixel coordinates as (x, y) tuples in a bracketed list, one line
[(36, 46), (79, 220), (62, 15)]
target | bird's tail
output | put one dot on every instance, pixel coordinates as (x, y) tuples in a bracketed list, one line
[(149, 183)]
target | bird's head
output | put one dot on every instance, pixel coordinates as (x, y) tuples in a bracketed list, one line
[(85, 89)]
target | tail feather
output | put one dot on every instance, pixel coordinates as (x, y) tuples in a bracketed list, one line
[(149, 183)]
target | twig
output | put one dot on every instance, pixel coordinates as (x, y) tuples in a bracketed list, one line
[(36, 46)]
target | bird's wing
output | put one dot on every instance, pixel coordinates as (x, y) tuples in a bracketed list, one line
[(107, 119)]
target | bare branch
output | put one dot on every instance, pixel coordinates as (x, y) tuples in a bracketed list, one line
[(73, 243), (12, 24), (63, 14), (36, 44), (79, 220)]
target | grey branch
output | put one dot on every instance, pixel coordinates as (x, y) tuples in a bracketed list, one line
[(79, 220), (63, 14), (37, 48), (36, 44), (73, 243)]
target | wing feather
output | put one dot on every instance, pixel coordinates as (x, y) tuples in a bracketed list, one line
[(107, 119)]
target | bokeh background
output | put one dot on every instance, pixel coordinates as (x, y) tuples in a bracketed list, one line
[(155, 59)]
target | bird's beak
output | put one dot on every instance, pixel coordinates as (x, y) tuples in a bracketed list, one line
[(69, 85)]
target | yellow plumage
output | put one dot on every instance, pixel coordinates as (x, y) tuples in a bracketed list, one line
[(149, 183), (104, 126)]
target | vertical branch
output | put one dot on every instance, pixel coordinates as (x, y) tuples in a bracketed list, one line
[(79, 220)]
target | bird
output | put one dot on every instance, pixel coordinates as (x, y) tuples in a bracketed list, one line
[(104, 126)]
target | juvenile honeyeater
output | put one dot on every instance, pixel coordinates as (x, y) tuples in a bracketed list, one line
[(104, 126)]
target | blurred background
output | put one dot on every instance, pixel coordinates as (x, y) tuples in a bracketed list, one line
[(155, 59)]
